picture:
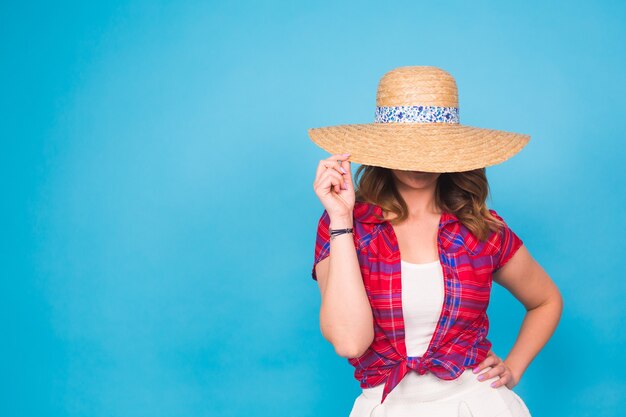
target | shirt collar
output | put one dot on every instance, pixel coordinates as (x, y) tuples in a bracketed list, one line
[(371, 213)]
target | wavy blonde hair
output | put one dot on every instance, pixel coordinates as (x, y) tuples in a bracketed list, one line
[(463, 194)]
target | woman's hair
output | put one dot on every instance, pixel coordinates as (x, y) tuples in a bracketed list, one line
[(460, 193)]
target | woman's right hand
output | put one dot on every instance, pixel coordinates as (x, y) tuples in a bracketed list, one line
[(333, 186)]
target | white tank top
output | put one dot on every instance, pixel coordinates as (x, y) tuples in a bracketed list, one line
[(422, 300)]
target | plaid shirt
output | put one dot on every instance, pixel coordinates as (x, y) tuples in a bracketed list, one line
[(459, 340)]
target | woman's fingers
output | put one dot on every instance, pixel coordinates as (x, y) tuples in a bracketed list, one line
[(494, 371), (490, 360), (328, 178), (325, 176), (334, 165), (504, 379), (332, 162), (498, 368), (345, 166), (333, 174)]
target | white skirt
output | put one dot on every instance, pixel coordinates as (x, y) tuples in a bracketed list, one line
[(426, 395)]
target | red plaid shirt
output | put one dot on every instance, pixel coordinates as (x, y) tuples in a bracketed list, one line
[(460, 337)]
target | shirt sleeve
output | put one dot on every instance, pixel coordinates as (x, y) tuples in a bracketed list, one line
[(508, 243), (322, 241)]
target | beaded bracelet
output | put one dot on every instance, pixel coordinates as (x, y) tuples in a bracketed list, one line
[(337, 232)]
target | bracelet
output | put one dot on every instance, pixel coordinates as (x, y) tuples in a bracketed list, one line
[(337, 232)]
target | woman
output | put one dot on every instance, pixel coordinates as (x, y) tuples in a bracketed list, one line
[(405, 297)]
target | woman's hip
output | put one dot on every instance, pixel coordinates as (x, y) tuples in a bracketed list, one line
[(463, 397)]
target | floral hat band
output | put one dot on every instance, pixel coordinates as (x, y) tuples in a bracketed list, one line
[(416, 114)]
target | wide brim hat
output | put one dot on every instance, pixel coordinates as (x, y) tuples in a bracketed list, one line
[(417, 128)]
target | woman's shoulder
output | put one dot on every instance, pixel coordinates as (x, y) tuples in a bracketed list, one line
[(496, 242)]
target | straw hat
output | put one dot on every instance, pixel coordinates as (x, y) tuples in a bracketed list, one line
[(417, 128)]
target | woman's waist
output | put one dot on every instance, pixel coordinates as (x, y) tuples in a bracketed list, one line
[(428, 386)]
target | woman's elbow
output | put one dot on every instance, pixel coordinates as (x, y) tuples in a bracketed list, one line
[(348, 351), (354, 349)]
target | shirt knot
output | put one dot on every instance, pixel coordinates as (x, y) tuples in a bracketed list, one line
[(418, 364)]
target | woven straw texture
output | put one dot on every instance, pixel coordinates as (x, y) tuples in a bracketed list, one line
[(428, 147)]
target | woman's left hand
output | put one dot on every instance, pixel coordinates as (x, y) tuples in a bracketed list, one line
[(498, 367)]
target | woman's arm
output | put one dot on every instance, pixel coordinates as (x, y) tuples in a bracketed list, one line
[(346, 319), (534, 288)]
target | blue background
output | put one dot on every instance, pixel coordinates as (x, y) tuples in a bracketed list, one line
[(158, 216)]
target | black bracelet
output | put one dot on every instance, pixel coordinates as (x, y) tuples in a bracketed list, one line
[(337, 232)]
